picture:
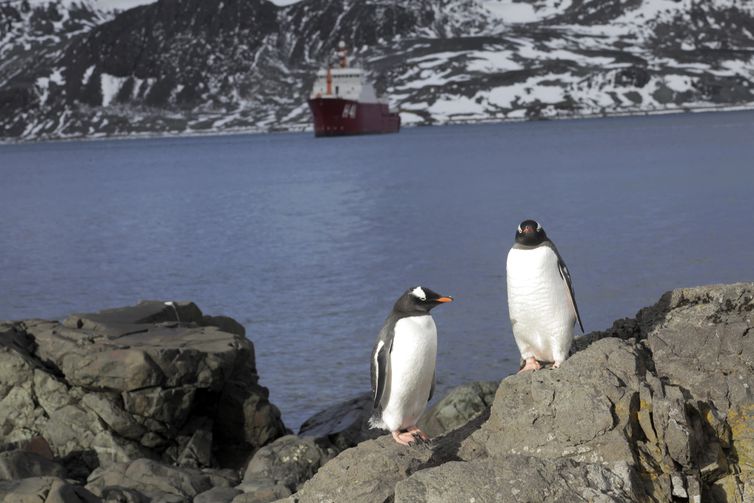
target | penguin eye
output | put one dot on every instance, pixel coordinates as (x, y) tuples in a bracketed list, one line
[(520, 230), (539, 227)]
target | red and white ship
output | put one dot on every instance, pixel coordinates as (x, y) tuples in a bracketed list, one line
[(344, 102)]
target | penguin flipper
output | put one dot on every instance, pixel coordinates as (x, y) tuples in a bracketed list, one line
[(567, 278), (432, 389), (379, 364)]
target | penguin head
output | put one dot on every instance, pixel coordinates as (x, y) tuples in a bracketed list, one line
[(419, 300), (530, 233)]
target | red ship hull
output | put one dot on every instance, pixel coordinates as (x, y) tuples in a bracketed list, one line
[(339, 117)]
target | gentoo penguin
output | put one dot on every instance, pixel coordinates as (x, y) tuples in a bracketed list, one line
[(541, 302), (403, 365)]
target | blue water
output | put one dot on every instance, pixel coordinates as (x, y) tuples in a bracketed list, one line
[(309, 242)]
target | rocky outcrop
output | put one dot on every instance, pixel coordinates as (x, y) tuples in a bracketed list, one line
[(287, 462), (147, 383), (458, 407), (342, 425), (658, 408), (346, 424)]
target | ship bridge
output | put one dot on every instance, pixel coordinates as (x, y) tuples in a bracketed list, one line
[(344, 82)]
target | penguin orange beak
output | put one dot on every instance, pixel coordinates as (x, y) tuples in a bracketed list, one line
[(444, 299)]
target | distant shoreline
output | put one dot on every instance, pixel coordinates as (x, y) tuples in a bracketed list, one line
[(304, 128)]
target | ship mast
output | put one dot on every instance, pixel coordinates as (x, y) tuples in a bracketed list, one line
[(342, 54)]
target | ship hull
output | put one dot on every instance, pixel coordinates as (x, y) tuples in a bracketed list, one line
[(340, 117)]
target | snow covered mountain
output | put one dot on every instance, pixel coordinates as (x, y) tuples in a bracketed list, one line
[(222, 65)]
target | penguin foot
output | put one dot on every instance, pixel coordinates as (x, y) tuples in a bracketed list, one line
[(419, 435), (556, 365), (412, 435), (531, 364), (403, 438), (421, 441)]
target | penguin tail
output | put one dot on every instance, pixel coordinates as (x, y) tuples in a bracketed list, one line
[(376, 422)]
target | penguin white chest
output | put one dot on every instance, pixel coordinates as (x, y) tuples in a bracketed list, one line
[(539, 305), (412, 367)]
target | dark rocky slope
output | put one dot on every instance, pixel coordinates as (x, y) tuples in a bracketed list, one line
[(220, 65)]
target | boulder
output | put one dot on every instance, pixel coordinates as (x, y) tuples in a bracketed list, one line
[(150, 479), (157, 380), (585, 409), (342, 425), (218, 495), (520, 478), (20, 464), (345, 425), (45, 489), (461, 405), (263, 493), (288, 461), (367, 472)]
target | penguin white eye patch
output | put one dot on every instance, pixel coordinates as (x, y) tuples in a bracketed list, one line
[(418, 292), (520, 230)]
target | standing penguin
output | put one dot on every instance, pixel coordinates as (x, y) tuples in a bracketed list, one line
[(541, 302), (403, 365)]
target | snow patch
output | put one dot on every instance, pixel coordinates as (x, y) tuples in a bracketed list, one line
[(56, 76), (110, 85), (492, 62), (455, 105), (87, 75), (678, 83), (512, 11)]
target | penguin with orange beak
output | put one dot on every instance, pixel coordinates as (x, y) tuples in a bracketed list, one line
[(403, 365)]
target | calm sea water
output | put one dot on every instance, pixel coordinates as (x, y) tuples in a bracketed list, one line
[(309, 242)]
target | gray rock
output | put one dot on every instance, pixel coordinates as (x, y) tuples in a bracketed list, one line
[(289, 461), (342, 425), (367, 472), (122, 495), (517, 478), (222, 477), (461, 405), (197, 452), (263, 493), (166, 405), (656, 408), (217, 495), (114, 323), (244, 418), (125, 383), (224, 323), (20, 464), (583, 410), (109, 408), (151, 479), (700, 340), (44, 490)]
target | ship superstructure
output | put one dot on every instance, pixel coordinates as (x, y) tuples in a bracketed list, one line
[(344, 102)]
